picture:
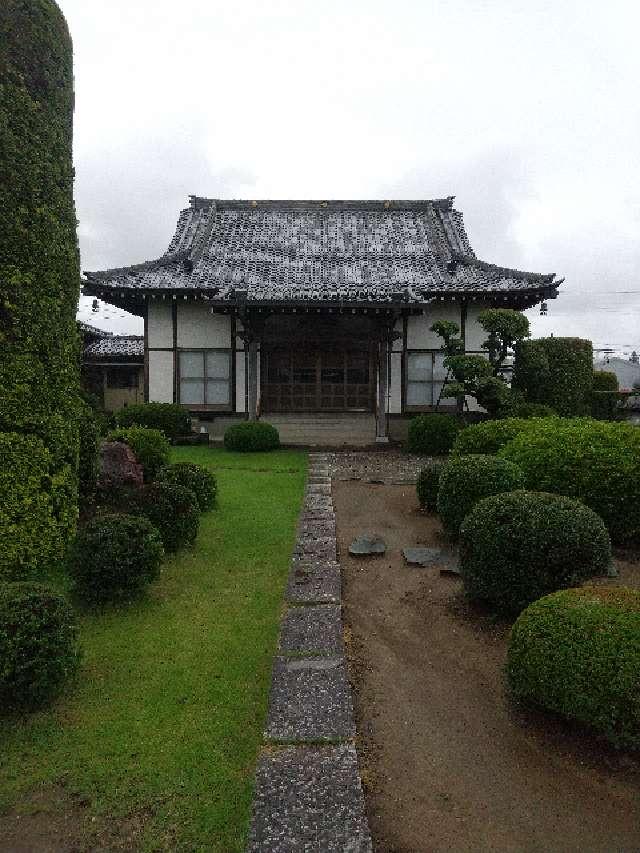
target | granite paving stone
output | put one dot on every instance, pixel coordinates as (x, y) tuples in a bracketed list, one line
[(312, 630), (314, 582), (309, 800), (310, 700)]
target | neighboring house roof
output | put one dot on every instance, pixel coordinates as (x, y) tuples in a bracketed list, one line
[(86, 330), (315, 251), (126, 348), (627, 372)]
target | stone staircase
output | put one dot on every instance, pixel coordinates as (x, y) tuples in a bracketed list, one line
[(352, 429)]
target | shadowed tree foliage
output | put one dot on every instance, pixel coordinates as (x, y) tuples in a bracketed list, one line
[(39, 264)]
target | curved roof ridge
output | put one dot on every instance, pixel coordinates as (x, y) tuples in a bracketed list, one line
[(508, 272), (383, 205)]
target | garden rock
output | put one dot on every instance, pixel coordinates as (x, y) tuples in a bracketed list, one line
[(366, 545), (118, 466)]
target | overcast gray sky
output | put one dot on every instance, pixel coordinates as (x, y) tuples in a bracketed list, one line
[(527, 111)]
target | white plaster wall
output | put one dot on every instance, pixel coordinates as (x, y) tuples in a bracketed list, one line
[(240, 382), (395, 396), (198, 327), (474, 334), (419, 335), (160, 376), (159, 324)]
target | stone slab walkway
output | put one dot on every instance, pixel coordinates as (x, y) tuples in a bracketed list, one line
[(308, 796)]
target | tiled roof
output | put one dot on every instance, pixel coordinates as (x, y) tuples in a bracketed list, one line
[(116, 347), (319, 251), (88, 329)]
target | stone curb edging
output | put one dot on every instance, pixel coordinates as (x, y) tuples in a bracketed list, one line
[(308, 795)]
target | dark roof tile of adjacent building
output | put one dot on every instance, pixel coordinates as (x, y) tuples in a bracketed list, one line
[(318, 251), (116, 348)]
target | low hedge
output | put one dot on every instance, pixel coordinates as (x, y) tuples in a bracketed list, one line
[(518, 546), (38, 644), (115, 557), (489, 436), (433, 435), (251, 437), (597, 462), (467, 479), (174, 420), (201, 481), (577, 653), (172, 509), (427, 485), (150, 446), (28, 527), (532, 410)]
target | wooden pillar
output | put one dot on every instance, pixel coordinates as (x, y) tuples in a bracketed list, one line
[(252, 378), (383, 381)]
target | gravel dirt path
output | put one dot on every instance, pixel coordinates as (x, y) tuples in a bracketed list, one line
[(448, 762)]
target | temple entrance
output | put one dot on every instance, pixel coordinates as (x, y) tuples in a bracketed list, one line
[(311, 364)]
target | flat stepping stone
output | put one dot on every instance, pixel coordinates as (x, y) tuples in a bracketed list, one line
[(366, 545), (312, 630), (309, 800), (421, 556), (314, 582), (310, 700), (450, 568)]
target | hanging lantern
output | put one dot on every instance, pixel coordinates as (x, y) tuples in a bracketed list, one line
[(543, 309)]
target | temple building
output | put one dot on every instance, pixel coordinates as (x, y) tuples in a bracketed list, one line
[(307, 313)]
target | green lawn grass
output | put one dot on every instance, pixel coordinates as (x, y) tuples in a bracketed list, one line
[(165, 722)]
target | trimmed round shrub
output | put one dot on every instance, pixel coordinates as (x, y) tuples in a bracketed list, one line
[(577, 653), (251, 436), (28, 527), (433, 435), (597, 462), (467, 479), (151, 447), (518, 546), (38, 644), (115, 557), (427, 485), (201, 481), (172, 509), (489, 436), (174, 420)]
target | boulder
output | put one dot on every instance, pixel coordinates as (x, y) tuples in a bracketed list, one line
[(118, 466)]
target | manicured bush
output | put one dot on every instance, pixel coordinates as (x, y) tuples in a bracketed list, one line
[(577, 653), (174, 420), (172, 509), (467, 479), (30, 540), (39, 263), (432, 435), (557, 372), (201, 481), (151, 447), (38, 644), (427, 485), (532, 410), (115, 557), (251, 436), (597, 462), (518, 546), (605, 398), (89, 429), (489, 436)]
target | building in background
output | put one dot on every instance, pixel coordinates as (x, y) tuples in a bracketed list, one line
[(112, 367), (312, 314)]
